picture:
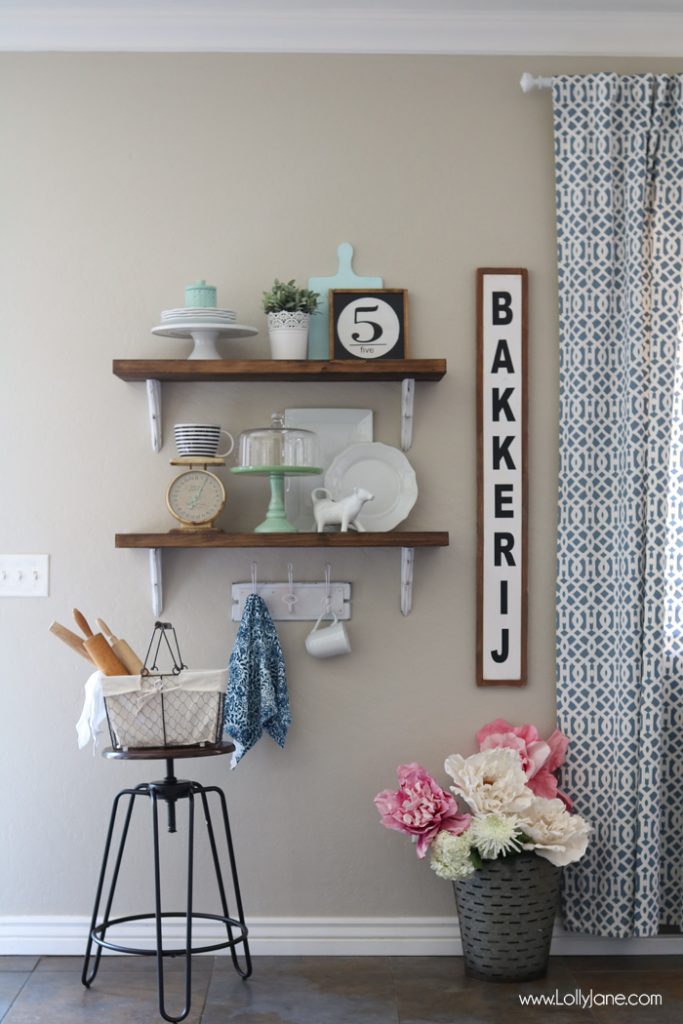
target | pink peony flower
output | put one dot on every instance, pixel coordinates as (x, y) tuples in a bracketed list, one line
[(420, 807), (540, 758)]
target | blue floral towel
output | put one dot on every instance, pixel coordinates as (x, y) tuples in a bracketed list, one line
[(257, 683)]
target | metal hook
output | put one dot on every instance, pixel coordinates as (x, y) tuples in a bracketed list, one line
[(328, 587), (290, 599), (254, 567)]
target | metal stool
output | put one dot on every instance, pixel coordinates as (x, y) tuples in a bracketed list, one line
[(170, 790)]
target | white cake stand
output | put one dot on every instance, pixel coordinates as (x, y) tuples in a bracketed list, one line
[(205, 336)]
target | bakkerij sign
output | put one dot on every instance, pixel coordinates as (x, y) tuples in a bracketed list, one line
[(501, 477)]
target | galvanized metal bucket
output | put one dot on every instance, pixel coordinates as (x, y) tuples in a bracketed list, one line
[(506, 912)]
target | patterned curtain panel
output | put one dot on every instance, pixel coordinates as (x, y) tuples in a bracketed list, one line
[(619, 180)]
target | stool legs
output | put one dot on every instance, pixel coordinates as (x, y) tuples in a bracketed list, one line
[(86, 978), (246, 971), (158, 914), (169, 791)]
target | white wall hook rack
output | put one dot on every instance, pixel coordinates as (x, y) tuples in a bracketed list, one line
[(310, 600)]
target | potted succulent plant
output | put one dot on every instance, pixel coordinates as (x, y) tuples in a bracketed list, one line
[(289, 309)]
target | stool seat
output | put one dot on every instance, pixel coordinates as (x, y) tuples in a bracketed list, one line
[(164, 753), (169, 791)]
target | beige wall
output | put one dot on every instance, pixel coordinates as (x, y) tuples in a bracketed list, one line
[(122, 179)]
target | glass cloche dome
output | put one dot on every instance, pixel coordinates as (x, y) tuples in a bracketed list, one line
[(278, 447)]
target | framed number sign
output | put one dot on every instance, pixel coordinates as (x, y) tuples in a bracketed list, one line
[(502, 477), (370, 324)]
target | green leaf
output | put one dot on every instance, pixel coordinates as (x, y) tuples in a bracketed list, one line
[(475, 858)]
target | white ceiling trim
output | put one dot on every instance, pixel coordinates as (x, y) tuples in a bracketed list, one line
[(198, 29)]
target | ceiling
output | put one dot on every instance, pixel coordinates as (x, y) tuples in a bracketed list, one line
[(411, 6), (628, 27)]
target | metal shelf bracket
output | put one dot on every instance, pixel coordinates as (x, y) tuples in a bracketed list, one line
[(407, 565), (154, 408), (407, 406), (156, 581)]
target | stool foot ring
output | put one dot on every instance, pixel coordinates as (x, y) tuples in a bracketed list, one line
[(97, 937), (97, 934)]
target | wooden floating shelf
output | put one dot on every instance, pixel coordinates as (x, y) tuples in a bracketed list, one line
[(217, 539), (405, 371), (279, 369), (406, 540)]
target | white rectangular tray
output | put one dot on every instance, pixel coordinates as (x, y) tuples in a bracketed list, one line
[(336, 430)]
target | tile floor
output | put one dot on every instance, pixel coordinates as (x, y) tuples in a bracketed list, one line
[(333, 990)]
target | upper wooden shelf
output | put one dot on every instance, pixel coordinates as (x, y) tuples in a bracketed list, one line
[(218, 539), (278, 369)]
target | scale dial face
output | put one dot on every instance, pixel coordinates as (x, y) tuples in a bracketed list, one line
[(196, 497)]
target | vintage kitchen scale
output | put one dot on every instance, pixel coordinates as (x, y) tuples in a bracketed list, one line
[(196, 497)]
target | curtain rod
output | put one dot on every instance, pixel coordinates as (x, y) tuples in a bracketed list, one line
[(528, 82)]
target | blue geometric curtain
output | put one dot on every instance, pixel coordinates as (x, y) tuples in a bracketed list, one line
[(619, 192)]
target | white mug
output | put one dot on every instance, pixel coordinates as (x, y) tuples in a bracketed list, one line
[(328, 641), (201, 439)]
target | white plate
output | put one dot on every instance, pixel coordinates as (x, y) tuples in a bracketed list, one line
[(336, 429), (202, 310), (183, 315), (382, 470)]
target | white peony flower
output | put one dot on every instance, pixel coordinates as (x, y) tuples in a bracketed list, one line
[(491, 782), (495, 834), (555, 834), (450, 856)]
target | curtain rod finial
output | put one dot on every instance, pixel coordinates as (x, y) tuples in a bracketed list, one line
[(528, 82)]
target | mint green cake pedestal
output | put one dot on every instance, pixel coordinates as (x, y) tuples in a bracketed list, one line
[(276, 521)]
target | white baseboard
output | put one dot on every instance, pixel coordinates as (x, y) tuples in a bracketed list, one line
[(307, 936)]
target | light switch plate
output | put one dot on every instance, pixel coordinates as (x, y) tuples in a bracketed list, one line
[(24, 575)]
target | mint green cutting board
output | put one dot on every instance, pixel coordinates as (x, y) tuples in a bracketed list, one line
[(319, 327)]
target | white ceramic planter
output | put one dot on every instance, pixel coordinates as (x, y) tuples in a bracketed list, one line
[(288, 333)]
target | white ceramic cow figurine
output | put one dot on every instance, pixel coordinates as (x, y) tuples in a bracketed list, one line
[(345, 511)]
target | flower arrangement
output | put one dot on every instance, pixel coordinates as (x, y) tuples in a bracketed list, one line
[(505, 801)]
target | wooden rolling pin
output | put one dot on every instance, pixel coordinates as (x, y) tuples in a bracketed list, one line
[(71, 639), (99, 650), (122, 650)]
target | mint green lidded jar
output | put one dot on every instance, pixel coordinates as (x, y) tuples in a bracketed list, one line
[(200, 294)]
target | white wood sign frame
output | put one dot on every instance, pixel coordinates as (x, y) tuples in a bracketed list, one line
[(502, 486)]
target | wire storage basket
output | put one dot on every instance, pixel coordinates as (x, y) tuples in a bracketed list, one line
[(179, 708)]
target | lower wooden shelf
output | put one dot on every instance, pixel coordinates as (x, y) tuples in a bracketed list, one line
[(218, 539), (406, 540)]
